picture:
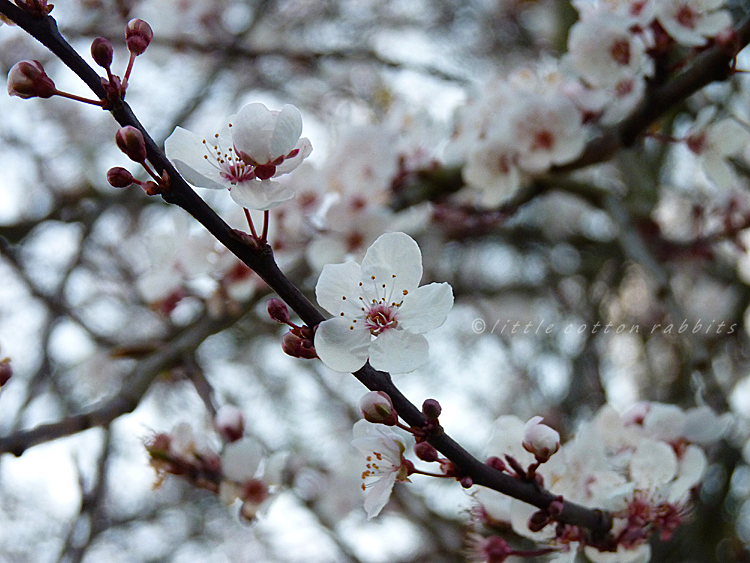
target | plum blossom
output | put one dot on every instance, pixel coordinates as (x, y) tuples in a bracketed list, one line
[(640, 466), (379, 311), (518, 127), (690, 22), (385, 463), (251, 149), (604, 51), (713, 142)]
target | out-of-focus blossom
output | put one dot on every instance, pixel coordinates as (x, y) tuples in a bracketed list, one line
[(713, 142), (691, 22)]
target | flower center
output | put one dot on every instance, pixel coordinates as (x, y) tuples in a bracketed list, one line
[(230, 167), (381, 317)]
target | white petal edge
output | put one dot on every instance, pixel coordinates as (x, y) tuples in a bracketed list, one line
[(340, 348), (398, 351), (426, 308)]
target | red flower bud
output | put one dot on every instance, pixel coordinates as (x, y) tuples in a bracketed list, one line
[(119, 177), (130, 141), (426, 452), (27, 79), (431, 409), (138, 35), (278, 311), (102, 51)]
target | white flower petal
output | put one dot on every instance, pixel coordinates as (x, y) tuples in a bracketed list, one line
[(260, 194), (398, 351), (426, 307), (305, 148), (341, 348), (186, 151), (395, 260), (286, 132), (240, 459), (252, 129), (336, 282), (653, 463), (379, 494)]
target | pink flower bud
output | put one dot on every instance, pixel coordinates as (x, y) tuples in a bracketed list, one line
[(426, 452), (119, 177), (496, 463), (540, 439), (538, 520), (102, 51), (138, 35), (230, 423), (5, 371), (376, 407), (130, 141), (27, 79), (431, 409), (298, 347), (278, 311)]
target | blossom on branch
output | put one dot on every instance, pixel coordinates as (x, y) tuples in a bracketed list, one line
[(384, 451), (253, 147), (379, 311)]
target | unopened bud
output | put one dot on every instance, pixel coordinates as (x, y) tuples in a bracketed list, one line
[(5, 371), (496, 463), (230, 423), (27, 79), (102, 51), (119, 177), (376, 407), (538, 520), (138, 35), (278, 311), (298, 347), (426, 452), (431, 409), (466, 482), (540, 439), (130, 141)]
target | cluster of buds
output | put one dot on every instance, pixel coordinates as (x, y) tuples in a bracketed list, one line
[(299, 341), (130, 141), (241, 471), (180, 453), (28, 79)]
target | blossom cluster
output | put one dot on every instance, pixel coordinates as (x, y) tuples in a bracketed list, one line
[(241, 471), (522, 125), (641, 466)]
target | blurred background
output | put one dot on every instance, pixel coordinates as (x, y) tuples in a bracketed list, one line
[(113, 300)]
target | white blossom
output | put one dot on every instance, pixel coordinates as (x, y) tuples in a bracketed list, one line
[(690, 22), (385, 463), (379, 311), (253, 147)]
